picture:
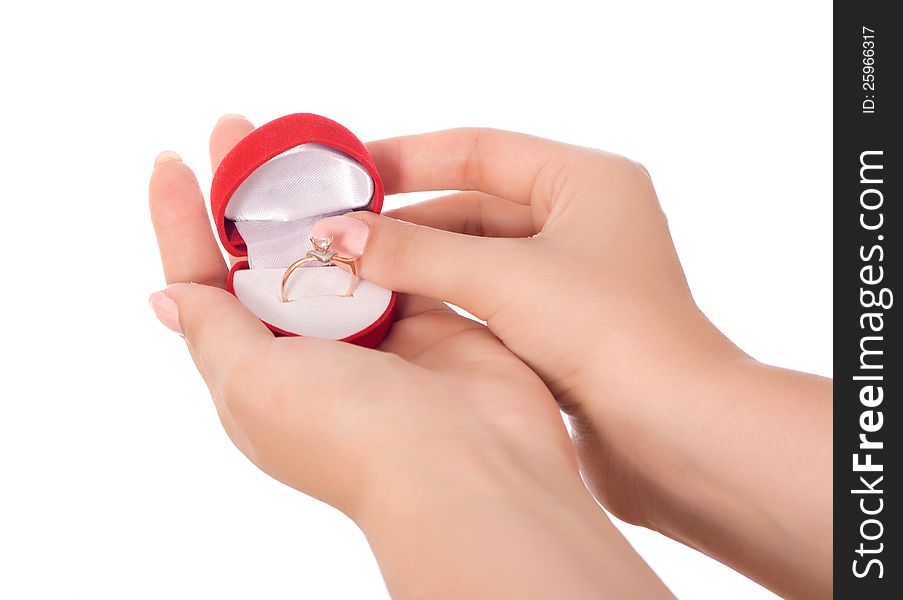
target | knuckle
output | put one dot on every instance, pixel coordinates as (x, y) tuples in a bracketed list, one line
[(614, 164), (403, 248), (637, 168), (474, 211), (642, 168), (197, 316), (601, 169), (473, 165), (629, 168)]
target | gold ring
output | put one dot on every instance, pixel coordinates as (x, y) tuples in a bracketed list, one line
[(321, 254)]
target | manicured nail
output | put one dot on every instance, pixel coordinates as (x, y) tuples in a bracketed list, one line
[(228, 116), (349, 235), (166, 310), (166, 157)]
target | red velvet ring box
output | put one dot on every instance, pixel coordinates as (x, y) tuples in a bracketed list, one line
[(267, 193)]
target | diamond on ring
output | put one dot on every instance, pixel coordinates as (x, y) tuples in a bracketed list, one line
[(321, 249), (322, 254)]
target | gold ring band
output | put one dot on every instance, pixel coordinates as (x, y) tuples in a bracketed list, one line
[(323, 255)]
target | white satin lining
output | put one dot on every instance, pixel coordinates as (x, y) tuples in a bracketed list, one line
[(275, 207), (318, 308)]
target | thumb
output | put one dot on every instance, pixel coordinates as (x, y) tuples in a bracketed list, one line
[(221, 333), (468, 271)]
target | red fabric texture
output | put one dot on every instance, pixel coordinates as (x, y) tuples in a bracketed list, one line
[(269, 141)]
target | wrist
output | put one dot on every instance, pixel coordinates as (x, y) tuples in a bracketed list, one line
[(687, 471), (488, 524), (644, 405), (442, 474)]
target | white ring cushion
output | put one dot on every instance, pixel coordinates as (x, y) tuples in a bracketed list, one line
[(274, 209)]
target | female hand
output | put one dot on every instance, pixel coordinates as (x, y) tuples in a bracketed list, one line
[(566, 254), (442, 440)]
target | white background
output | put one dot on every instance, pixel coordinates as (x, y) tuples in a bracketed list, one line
[(115, 478)]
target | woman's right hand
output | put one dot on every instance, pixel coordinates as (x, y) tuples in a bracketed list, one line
[(566, 254)]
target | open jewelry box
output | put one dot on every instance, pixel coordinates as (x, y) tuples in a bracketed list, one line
[(266, 195)]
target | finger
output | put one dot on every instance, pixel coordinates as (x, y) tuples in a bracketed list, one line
[(410, 306), (471, 213), (187, 247), (514, 166), (465, 270), (228, 131), (223, 336), (543, 174)]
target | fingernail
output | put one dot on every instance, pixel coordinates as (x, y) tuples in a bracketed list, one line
[(166, 157), (166, 310), (349, 235), (230, 116)]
